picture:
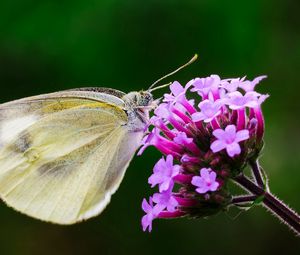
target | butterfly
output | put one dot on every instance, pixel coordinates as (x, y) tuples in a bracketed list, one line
[(63, 154)]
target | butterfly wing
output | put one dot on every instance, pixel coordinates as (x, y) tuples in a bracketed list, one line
[(63, 156)]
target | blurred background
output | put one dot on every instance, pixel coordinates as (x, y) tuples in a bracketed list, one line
[(53, 45)]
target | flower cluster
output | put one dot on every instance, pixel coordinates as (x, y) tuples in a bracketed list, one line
[(205, 141)]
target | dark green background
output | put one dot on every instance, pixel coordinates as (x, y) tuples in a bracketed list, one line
[(54, 45)]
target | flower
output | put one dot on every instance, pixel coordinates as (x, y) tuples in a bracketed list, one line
[(250, 85), (177, 93), (209, 110), (236, 100), (229, 139), (165, 200), (182, 139), (192, 175), (150, 215), (205, 85), (206, 181), (232, 85), (163, 172)]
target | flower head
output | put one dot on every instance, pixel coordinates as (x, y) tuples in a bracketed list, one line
[(192, 175)]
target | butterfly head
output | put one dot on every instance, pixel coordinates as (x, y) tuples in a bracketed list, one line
[(137, 106), (138, 100), (144, 98)]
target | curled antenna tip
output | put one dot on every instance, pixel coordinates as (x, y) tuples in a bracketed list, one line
[(195, 57)]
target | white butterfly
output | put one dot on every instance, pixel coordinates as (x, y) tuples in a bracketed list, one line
[(62, 155)]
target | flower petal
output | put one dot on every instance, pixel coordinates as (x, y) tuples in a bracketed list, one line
[(214, 186), (212, 175), (219, 133), (176, 88), (147, 223), (231, 130), (165, 185), (204, 172), (233, 149), (242, 135), (196, 180), (217, 146), (145, 206), (202, 190), (198, 116)]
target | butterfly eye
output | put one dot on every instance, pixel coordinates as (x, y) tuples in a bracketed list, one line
[(145, 99)]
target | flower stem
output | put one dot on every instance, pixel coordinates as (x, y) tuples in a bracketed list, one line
[(277, 207), (243, 199), (257, 174)]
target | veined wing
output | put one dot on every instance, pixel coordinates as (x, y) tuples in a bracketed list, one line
[(65, 159)]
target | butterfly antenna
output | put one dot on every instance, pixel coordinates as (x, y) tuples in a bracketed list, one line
[(160, 87), (193, 59)]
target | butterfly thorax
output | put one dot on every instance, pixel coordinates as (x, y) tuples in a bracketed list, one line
[(137, 106)]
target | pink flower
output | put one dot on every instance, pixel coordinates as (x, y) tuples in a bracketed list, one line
[(163, 172), (146, 142), (177, 93), (250, 85), (206, 181), (182, 139), (232, 85), (178, 98), (150, 214), (205, 85), (162, 110), (229, 139), (236, 100), (186, 142), (209, 110), (165, 200), (173, 114)]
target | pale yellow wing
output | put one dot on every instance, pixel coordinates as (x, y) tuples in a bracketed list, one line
[(62, 158)]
